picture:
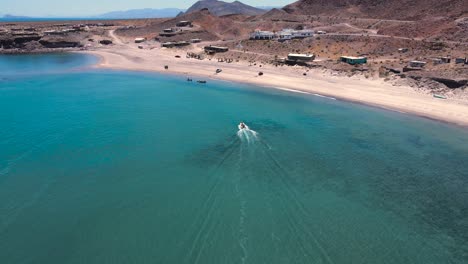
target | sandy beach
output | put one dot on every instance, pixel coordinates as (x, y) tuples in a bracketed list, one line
[(375, 92)]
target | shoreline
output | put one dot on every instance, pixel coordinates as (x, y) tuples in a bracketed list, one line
[(375, 93)]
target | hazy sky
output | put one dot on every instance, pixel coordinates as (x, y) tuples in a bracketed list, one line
[(94, 7)]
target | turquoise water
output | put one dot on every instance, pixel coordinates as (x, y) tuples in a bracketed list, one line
[(119, 167)]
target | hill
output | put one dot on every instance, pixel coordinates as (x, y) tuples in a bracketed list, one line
[(221, 8), (142, 13), (389, 9)]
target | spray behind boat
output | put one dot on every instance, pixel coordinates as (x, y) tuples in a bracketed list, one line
[(246, 134)]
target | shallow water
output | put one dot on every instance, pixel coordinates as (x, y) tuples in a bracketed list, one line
[(119, 167)]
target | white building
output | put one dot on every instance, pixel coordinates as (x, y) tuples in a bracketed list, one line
[(306, 33), (257, 35), (284, 35), (417, 64), (287, 34), (301, 57)]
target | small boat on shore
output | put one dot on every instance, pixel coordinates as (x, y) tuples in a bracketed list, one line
[(439, 96)]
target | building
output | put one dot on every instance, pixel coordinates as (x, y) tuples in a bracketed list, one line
[(305, 33), (417, 64), (164, 34), (301, 57), (54, 32), (287, 34), (446, 59), (437, 61), (215, 49), (262, 35), (168, 30), (175, 44), (283, 36), (181, 44), (184, 24), (460, 60), (140, 40), (168, 44), (353, 60)]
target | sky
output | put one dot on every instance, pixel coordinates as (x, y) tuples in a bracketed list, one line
[(67, 8)]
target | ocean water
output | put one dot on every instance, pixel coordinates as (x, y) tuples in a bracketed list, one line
[(46, 19), (121, 167)]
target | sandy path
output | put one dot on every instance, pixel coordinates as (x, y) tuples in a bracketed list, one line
[(115, 39), (371, 92)]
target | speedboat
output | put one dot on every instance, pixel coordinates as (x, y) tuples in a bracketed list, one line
[(242, 126)]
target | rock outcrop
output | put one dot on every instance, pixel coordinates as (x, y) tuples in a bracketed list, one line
[(58, 42)]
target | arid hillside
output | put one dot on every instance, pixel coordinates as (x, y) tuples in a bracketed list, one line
[(383, 9), (221, 8)]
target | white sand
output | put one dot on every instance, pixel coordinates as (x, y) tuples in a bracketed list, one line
[(366, 91)]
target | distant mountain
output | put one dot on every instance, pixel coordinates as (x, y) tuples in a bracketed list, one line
[(268, 8), (8, 16), (388, 9), (220, 8), (142, 13)]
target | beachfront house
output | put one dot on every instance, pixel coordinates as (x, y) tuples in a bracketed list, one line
[(168, 44), (184, 24), (53, 32), (262, 35), (215, 49), (353, 60), (181, 44), (299, 59), (168, 32), (140, 40), (417, 64)]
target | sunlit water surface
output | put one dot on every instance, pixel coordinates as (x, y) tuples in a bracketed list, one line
[(119, 167)]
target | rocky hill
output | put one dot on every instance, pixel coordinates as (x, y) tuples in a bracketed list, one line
[(382, 9), (221, 8)]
